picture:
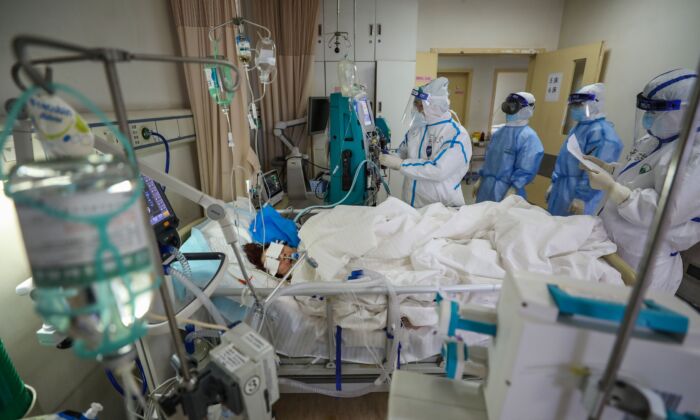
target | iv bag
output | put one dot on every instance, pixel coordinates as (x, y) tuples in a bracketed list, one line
[(266, 60), (347, 77)]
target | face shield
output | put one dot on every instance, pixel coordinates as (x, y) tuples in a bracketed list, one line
[(658, 117), (582, 106), (413, 113)]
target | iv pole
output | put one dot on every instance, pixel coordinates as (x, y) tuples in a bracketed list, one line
[(214, 209)]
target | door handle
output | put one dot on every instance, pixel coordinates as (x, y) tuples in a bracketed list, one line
[(379, 28), (370, 29), (320, 32), (380, 107)]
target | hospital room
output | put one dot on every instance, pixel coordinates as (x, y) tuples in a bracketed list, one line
[(350, 209)]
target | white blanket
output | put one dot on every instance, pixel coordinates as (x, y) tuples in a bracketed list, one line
[(443, 246)]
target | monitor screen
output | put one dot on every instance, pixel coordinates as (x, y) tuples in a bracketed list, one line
[(319, 110), (364, 112), (273, 185), (157, 204)]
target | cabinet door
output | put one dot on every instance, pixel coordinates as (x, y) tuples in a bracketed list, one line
[(319, 46), (395, 80), (332, 84), (396, 27), (365, 30), (343, 23), (318, 83), (366, 74)]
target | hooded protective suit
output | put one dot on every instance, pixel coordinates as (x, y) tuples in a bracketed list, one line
[(639, 182), (596, 137), (435, 152), (514, 154)]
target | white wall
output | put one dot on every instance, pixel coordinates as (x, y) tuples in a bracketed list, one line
[(488, 24), (644, 38), (134, 25), (483, 68), (62, 380)]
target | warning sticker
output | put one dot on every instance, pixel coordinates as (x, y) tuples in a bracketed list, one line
[(229, 358), (255, 341)]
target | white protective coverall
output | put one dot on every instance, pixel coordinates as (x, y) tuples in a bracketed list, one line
[(643, 174), (437, 154)]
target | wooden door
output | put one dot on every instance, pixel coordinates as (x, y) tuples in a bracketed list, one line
[(426, 67), (552, 76), (459, 94)]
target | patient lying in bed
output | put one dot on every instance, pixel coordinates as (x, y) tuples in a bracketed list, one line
[(437, 245)]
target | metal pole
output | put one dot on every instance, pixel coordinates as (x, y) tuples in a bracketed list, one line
[(115, 91), (172, 324), (123, 122), (658, 231)]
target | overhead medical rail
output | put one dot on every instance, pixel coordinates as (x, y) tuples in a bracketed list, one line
[(658, 230), (110, 57)]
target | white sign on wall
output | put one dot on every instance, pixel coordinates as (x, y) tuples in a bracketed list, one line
[(553, 87)]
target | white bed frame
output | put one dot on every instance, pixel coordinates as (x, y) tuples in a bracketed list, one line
[(324, 373)]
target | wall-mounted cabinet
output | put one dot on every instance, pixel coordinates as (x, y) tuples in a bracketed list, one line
[(319, 46), (371, 30), (396, 24), (339, 16), (385, 30)]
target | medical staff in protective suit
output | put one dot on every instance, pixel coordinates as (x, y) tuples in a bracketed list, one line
[(435, 154), (633, 194), (514, 154), (570, 192)]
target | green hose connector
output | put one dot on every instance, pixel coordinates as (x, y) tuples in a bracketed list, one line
[(15, 398)]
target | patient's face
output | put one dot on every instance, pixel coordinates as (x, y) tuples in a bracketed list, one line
[(285, 258)]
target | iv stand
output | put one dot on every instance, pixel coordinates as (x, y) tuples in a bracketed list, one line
[(214, 208)]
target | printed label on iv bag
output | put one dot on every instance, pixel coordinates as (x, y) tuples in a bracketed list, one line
[(210, 75), (64, 253)]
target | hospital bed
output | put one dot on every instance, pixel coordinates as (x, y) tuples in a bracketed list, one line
[(330, 362)]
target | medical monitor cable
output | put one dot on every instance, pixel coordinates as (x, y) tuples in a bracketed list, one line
[(330, 206)]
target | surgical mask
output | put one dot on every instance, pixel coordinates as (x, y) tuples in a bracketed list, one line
[(511, 117), (578, 114), (648, 120)]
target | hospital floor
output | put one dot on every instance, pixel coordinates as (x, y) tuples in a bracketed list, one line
[(319, 407)]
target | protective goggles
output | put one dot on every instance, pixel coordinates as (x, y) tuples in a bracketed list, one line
[(577, 98), (646, 104), (419, 94), (513, 104)]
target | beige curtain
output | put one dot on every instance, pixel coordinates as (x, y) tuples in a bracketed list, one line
[(292, 23), (218, 163)]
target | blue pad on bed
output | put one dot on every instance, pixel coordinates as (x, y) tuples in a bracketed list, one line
[(269, 226)]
